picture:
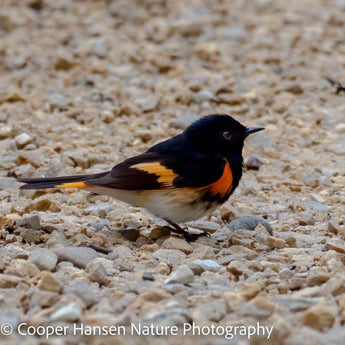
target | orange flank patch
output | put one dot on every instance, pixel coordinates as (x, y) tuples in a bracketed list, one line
[(223, 185), (164, 175), (73, 185)]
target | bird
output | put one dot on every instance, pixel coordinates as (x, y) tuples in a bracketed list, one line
[(179, 180)]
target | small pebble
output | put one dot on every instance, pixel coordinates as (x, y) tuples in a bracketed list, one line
[(100, 225), (335, 245), (253, 163), (207, 265), (5, 131), (68, 313), (79, 256), (49, 283), (83, 291), (319, 317), (22, 140), (183, 275), (204, 96), (306, 219), (205, 225), (32, 222), (44, 259), (333, 226), (130, 234), (249, 222), (274, 242), (158, 232), (148, 276), (312, 179), (97, 273), (178, 244)]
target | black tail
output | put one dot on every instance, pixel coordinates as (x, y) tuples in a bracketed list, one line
[(58, 182)]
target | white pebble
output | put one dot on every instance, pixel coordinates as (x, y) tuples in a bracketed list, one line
[(23, 139)]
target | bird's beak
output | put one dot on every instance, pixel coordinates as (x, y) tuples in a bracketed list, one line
[(251, 130)]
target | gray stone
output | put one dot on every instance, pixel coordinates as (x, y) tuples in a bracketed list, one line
[(79, 256), (100, 225), (57, 239), (205, 225), (183, 275), (85, 292), (249, 222), (312, 179), (44, 259), (30, 235), (148, 276), (58, 100), (97, 273), (32, 222), (205, 265), (316, 206), (325, 181)]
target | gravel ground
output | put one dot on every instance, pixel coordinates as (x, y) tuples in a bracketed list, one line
[(86, 84)]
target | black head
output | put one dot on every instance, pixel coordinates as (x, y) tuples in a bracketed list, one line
[(218, 134)]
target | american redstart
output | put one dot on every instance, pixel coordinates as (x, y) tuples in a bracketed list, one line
[(180, 179)]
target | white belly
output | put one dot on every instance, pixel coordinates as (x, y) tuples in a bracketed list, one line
[(172, 205)]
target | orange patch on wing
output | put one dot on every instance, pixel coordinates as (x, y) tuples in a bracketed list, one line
[(223, 185), (164, 175), (73, 185)]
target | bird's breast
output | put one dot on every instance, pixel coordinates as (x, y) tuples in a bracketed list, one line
[(220, 190)]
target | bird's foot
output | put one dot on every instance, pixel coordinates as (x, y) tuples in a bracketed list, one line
[(193, 237), (186, 234)]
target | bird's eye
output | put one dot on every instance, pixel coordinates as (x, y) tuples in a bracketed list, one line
[(227, 135)]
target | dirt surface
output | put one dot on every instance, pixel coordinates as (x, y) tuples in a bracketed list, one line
[(86, 84)]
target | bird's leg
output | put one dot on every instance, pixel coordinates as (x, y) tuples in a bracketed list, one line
[(187, 235)]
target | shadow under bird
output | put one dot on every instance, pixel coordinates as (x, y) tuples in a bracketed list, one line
[(179, 180)]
